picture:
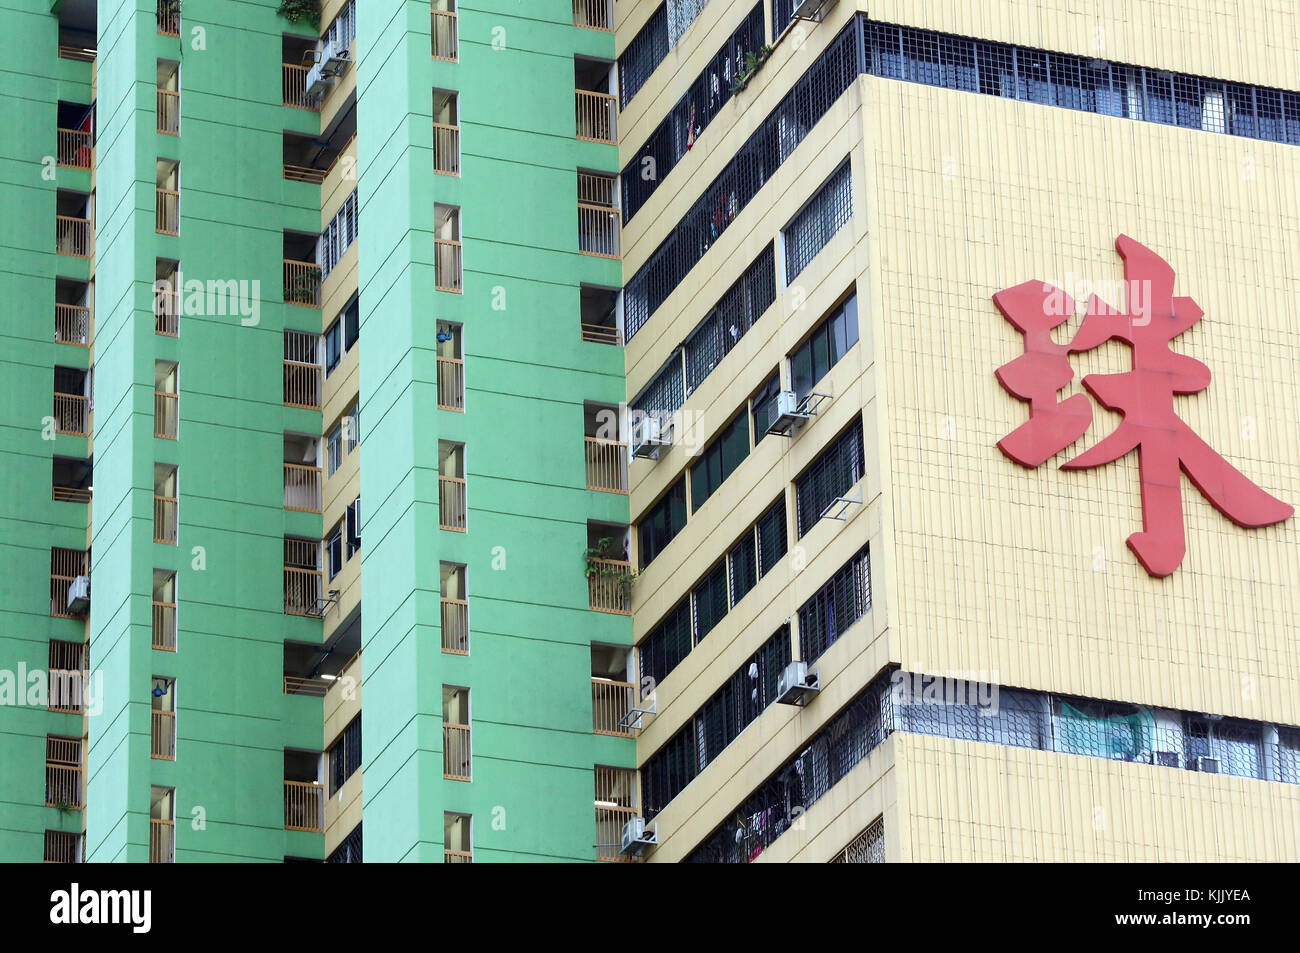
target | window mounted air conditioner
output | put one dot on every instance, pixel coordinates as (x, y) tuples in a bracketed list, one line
[(796, 686), (813, 10), (1207, 765), (790, 412), (79, 596), (637, 838), (649, 436), (1165, 759)]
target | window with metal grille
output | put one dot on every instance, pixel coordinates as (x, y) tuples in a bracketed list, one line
[(770, 531), (719, 460), (62, 847), (667, 644), (820, 219), (646, 51), (709, 599), (867, 848), (753, 165), (829, 477), (735, 313), (844, 600), (782, 14), (681, 14), (763, 406), (676, 135), (823, 349), (348, 852), (662, 522), (663, 396), (345, 755), (338, 236), (741, 699), (758, 550)]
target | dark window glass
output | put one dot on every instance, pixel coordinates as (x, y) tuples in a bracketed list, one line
[(666, 645), (719, 459), (771, 536), (334, 550), (332, 347), (825, 346), (764, 405), (348, 852), (710, 598), (344, 755), (829, 477), (743, 559), (351, 324), (664, 521), (844, 599)]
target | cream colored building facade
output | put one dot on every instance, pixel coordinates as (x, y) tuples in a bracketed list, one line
[(1015, 577)]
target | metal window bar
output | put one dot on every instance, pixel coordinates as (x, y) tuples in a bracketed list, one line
[(835, 607), (646, 51), (830, 208), (867, 848), (830, 476)]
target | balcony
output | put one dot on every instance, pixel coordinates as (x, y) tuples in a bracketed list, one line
[(295, 88), (598, 221), (447, 266), (611, 701), (167, 219), (451, 503), (446, 149), (162, 841), (599, 315), (451, 384), (302, 488), (75, 149), (606, 465), (302, 281), (442, 29), (304, 806), (169, 112), (166, 414), (457, 857), (314, 687), (597, 117), (81, 54), (609, 583), (592, 15), (72, 324), (615, 806), (72, 236), (169, 18), (455, 626), (65, 566), (456, 752), (162, 735), (63, 785), (71, 480), (164, 626), (302, 576), (164, 519), (303, 375), (72, 414)]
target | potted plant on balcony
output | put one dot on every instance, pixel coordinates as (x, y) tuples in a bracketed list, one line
[(295, 10), (753, 61), (607, 565)]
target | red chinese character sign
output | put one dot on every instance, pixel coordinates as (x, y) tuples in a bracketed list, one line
[(1166, 446)]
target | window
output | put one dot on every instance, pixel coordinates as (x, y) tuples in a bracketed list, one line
[(351, 323), (353, 526), (829, 477), (334, 551), (332, 347), (62, 847), (353, 427), (666, 645), (334, 449), (867, 848), (763, 406), (758, 550), (719, 460), (643, 54), (710, 601), (844, 600), (735, 313), (348, 852), (344, 755), (338, 236), (743, 559), (663, 396), (819, 220), (825, 346), (771, 536), (661, 523)]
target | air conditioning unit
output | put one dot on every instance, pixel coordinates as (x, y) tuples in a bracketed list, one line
[(636, 838), (334, 60), (79, 596), (790, 412), (1165, 759), (813, 10), (796, 686), (1207, 765), (649, 436)]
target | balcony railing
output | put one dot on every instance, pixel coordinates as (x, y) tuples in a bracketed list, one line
[(71, 494), (164, 626), (451, 503), (302, 385), (163, 740), (302, 588), (302, 488), (457, 856), (597, 117), (164, 519), (455, 752), (601, 334), (443, 30), (610, 586), (166, 414), (302, 283), (168, 220), (446, 149), (610, 703), (169, 112), (609, 832), (82, 54), (447, 274), (606, 465), (72, 236), (72, 324), (295, 88), (455, 626), (167, 311), (72, 414), (66, 692), (62, 847), (75, 149), (598, 230), (315, 687), (300, 173), (451, 383), (63, 785), (162, 841), (304, 806), (169, 17), (592, 14)]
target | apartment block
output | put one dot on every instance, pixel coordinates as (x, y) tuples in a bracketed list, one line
[(744, 395)]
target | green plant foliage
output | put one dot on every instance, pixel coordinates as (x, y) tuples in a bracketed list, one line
[(295, 10)]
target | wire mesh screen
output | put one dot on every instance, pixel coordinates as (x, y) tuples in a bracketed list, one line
[(821, 218), (643, 54)]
